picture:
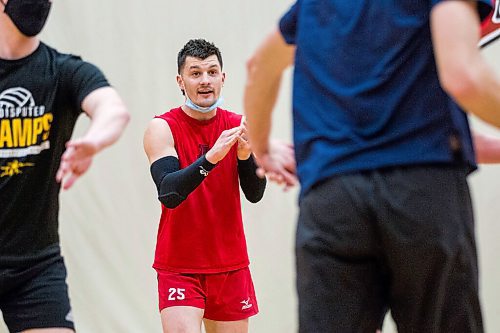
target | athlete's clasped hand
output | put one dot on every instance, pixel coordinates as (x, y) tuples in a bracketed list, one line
[(223, 144), (278, 164)]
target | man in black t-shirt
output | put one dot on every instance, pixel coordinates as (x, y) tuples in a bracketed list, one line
[(42, 93)]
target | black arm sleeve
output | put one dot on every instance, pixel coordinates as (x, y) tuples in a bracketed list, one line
[(252, 185), (175, 184)]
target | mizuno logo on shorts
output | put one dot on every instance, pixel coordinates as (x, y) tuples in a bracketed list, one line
[(246, 304)]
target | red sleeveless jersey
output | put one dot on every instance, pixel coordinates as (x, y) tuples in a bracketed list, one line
[(204, 234)]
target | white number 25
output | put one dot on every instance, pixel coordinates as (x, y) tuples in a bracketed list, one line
[(176, 294)]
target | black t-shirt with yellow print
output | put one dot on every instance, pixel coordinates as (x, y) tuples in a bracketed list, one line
[(40, 101)]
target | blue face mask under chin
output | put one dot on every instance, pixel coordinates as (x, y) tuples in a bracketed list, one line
[(189, 103)]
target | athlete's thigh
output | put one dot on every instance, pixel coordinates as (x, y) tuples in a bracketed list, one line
[(429, 234), (177, 319), (213, 326), (180, 290), (41, 301), (341, 282), (181, 301)]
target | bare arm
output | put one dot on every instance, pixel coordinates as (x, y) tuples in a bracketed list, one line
[(463, 72), (265, 69), (487, 148), (158, 140), (109, 117)]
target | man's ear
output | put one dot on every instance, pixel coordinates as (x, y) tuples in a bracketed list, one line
[(180, 83)]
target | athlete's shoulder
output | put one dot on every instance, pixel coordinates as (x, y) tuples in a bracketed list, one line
[(170, 114), (233, 117), (70, 64), (61, 57)]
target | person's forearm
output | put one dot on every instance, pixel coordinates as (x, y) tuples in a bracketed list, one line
[(481, 96), (259, 102), (252, 185), (487, 148), (107, 124), (264, 72), (175, 184)]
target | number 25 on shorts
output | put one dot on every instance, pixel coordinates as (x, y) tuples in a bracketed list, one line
[(176, 294)]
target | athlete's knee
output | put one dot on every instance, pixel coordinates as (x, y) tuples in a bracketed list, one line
[(181, 320)]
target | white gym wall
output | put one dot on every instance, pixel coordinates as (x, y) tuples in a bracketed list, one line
[(109, 219)]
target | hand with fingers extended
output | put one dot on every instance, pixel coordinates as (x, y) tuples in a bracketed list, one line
[(278, 164), (223, 144), (244, 150), (75, 161)]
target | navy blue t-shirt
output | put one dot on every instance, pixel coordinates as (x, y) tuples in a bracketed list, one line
[(366, 93)]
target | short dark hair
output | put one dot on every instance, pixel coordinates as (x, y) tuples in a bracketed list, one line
[(197, 48)]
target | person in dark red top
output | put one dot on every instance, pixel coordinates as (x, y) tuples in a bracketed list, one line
[(199, 158)]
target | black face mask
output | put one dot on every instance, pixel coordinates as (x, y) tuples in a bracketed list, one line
[(28, 16)]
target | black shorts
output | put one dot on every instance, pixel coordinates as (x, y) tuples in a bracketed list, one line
[(399, 239), (35, 294)]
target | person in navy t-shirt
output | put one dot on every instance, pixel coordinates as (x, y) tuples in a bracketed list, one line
[(383, 149)]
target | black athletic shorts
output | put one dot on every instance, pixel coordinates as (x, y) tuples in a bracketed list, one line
[(399, 239), (35, 294)]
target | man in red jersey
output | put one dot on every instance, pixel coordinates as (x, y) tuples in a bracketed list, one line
[(199, 157)]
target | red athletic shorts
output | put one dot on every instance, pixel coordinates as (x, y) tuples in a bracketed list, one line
[(227, 296)]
